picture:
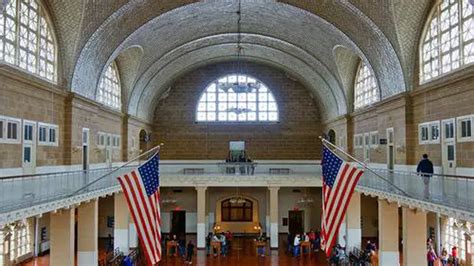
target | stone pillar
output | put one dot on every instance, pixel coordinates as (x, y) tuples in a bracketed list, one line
[(132, 234), (274, 217), (342, 234), (88, 233), (267, 214), (354, 230), (201, 217), (388, 233), (121, 224), (62, 238), (414, 237)]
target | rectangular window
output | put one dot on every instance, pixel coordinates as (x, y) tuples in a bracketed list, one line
[(2, 125), (27, 154), (434, 132), (424, 133), (12, 130), (465, 128), (52, 135), (42, 134), (48, 134), (28, 133), (374, 139), (449, 130)]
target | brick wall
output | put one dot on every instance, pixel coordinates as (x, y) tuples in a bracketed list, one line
[(294, 137)]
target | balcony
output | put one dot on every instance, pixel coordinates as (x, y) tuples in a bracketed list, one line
[(29, 195)]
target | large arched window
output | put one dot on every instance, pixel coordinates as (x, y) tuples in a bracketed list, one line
[(448, 43), (237, 98), (240, 210), (26, 38), (366, 91), (109, 92)]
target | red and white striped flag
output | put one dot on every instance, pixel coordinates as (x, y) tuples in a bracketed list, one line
[(141, 187), (339, 182)]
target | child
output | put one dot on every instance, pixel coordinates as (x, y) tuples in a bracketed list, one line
[(190, 252)]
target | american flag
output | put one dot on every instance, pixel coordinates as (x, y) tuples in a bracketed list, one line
[(141, 187), (339, 181)]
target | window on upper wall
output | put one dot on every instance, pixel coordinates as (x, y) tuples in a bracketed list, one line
[(48, 134), (237, 98), (465, 128), (109, 91), (366, 91), (26, 38), (10, 130), (448, 42), (428, 133)]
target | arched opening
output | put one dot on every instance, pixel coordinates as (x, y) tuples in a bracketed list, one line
[(144, 138), (332, 136), (238, 214)]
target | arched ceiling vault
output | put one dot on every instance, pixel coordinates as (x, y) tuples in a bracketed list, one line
[(275, 33)]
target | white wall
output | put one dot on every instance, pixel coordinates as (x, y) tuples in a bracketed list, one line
[(287, 201)]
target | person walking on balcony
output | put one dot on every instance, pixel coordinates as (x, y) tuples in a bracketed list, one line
[(425, 170)]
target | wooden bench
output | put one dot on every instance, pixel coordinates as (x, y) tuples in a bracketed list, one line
[(279, 171), (193, 171)]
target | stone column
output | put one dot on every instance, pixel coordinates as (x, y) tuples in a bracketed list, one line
[(414, 237), (388, 233), (62, 238), (201, 217), (132, 234), (121, 224), (88, 233), (354, 230), (274, 217)]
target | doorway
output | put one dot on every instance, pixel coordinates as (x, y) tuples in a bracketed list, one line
[(178, 224), (332, 136), (85, 149), (295, 222), (29, 147), (448, 146), (390, 149), (143, 137)]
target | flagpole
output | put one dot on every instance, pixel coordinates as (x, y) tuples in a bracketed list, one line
[(156, 148), (325, 141)]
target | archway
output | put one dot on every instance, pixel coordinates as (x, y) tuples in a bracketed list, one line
[(332, 136), (144, 138)]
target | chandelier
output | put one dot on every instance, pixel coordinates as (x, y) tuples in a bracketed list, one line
[(305, 200), (237, 200), (168, 199), (238, 110)]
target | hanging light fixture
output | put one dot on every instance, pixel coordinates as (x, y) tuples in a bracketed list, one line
[(238, 199), (239, 87), (306, 200), (168, 199)]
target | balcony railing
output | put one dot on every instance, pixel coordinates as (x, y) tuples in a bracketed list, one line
[(446, 190), (20, 192)]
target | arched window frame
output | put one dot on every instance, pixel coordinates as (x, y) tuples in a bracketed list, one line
[(257, 105), (436, 59), (366, 89), (247, 216), (109, 89), (37, 53)]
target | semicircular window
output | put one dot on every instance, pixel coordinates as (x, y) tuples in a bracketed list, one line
[(237, 98)]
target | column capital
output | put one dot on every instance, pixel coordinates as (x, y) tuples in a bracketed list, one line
[(274, 188), (201, 188)]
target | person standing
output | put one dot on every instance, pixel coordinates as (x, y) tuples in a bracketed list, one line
[(425, 170), (444, 257), (431, 256), (190, 252)]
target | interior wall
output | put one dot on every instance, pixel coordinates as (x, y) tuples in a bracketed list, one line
[(106, 210), (369, 216), (288, 201), (295, 136)]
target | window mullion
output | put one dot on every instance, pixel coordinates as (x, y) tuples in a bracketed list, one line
[(17, 33)]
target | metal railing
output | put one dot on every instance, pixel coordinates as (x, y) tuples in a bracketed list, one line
[(446, 190), (18, 192)]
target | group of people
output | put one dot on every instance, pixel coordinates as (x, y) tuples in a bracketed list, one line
[(295, 240), (186, 251), (225, 240), (444, 257)]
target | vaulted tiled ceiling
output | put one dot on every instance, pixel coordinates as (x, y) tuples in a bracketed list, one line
[(318, 42)]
